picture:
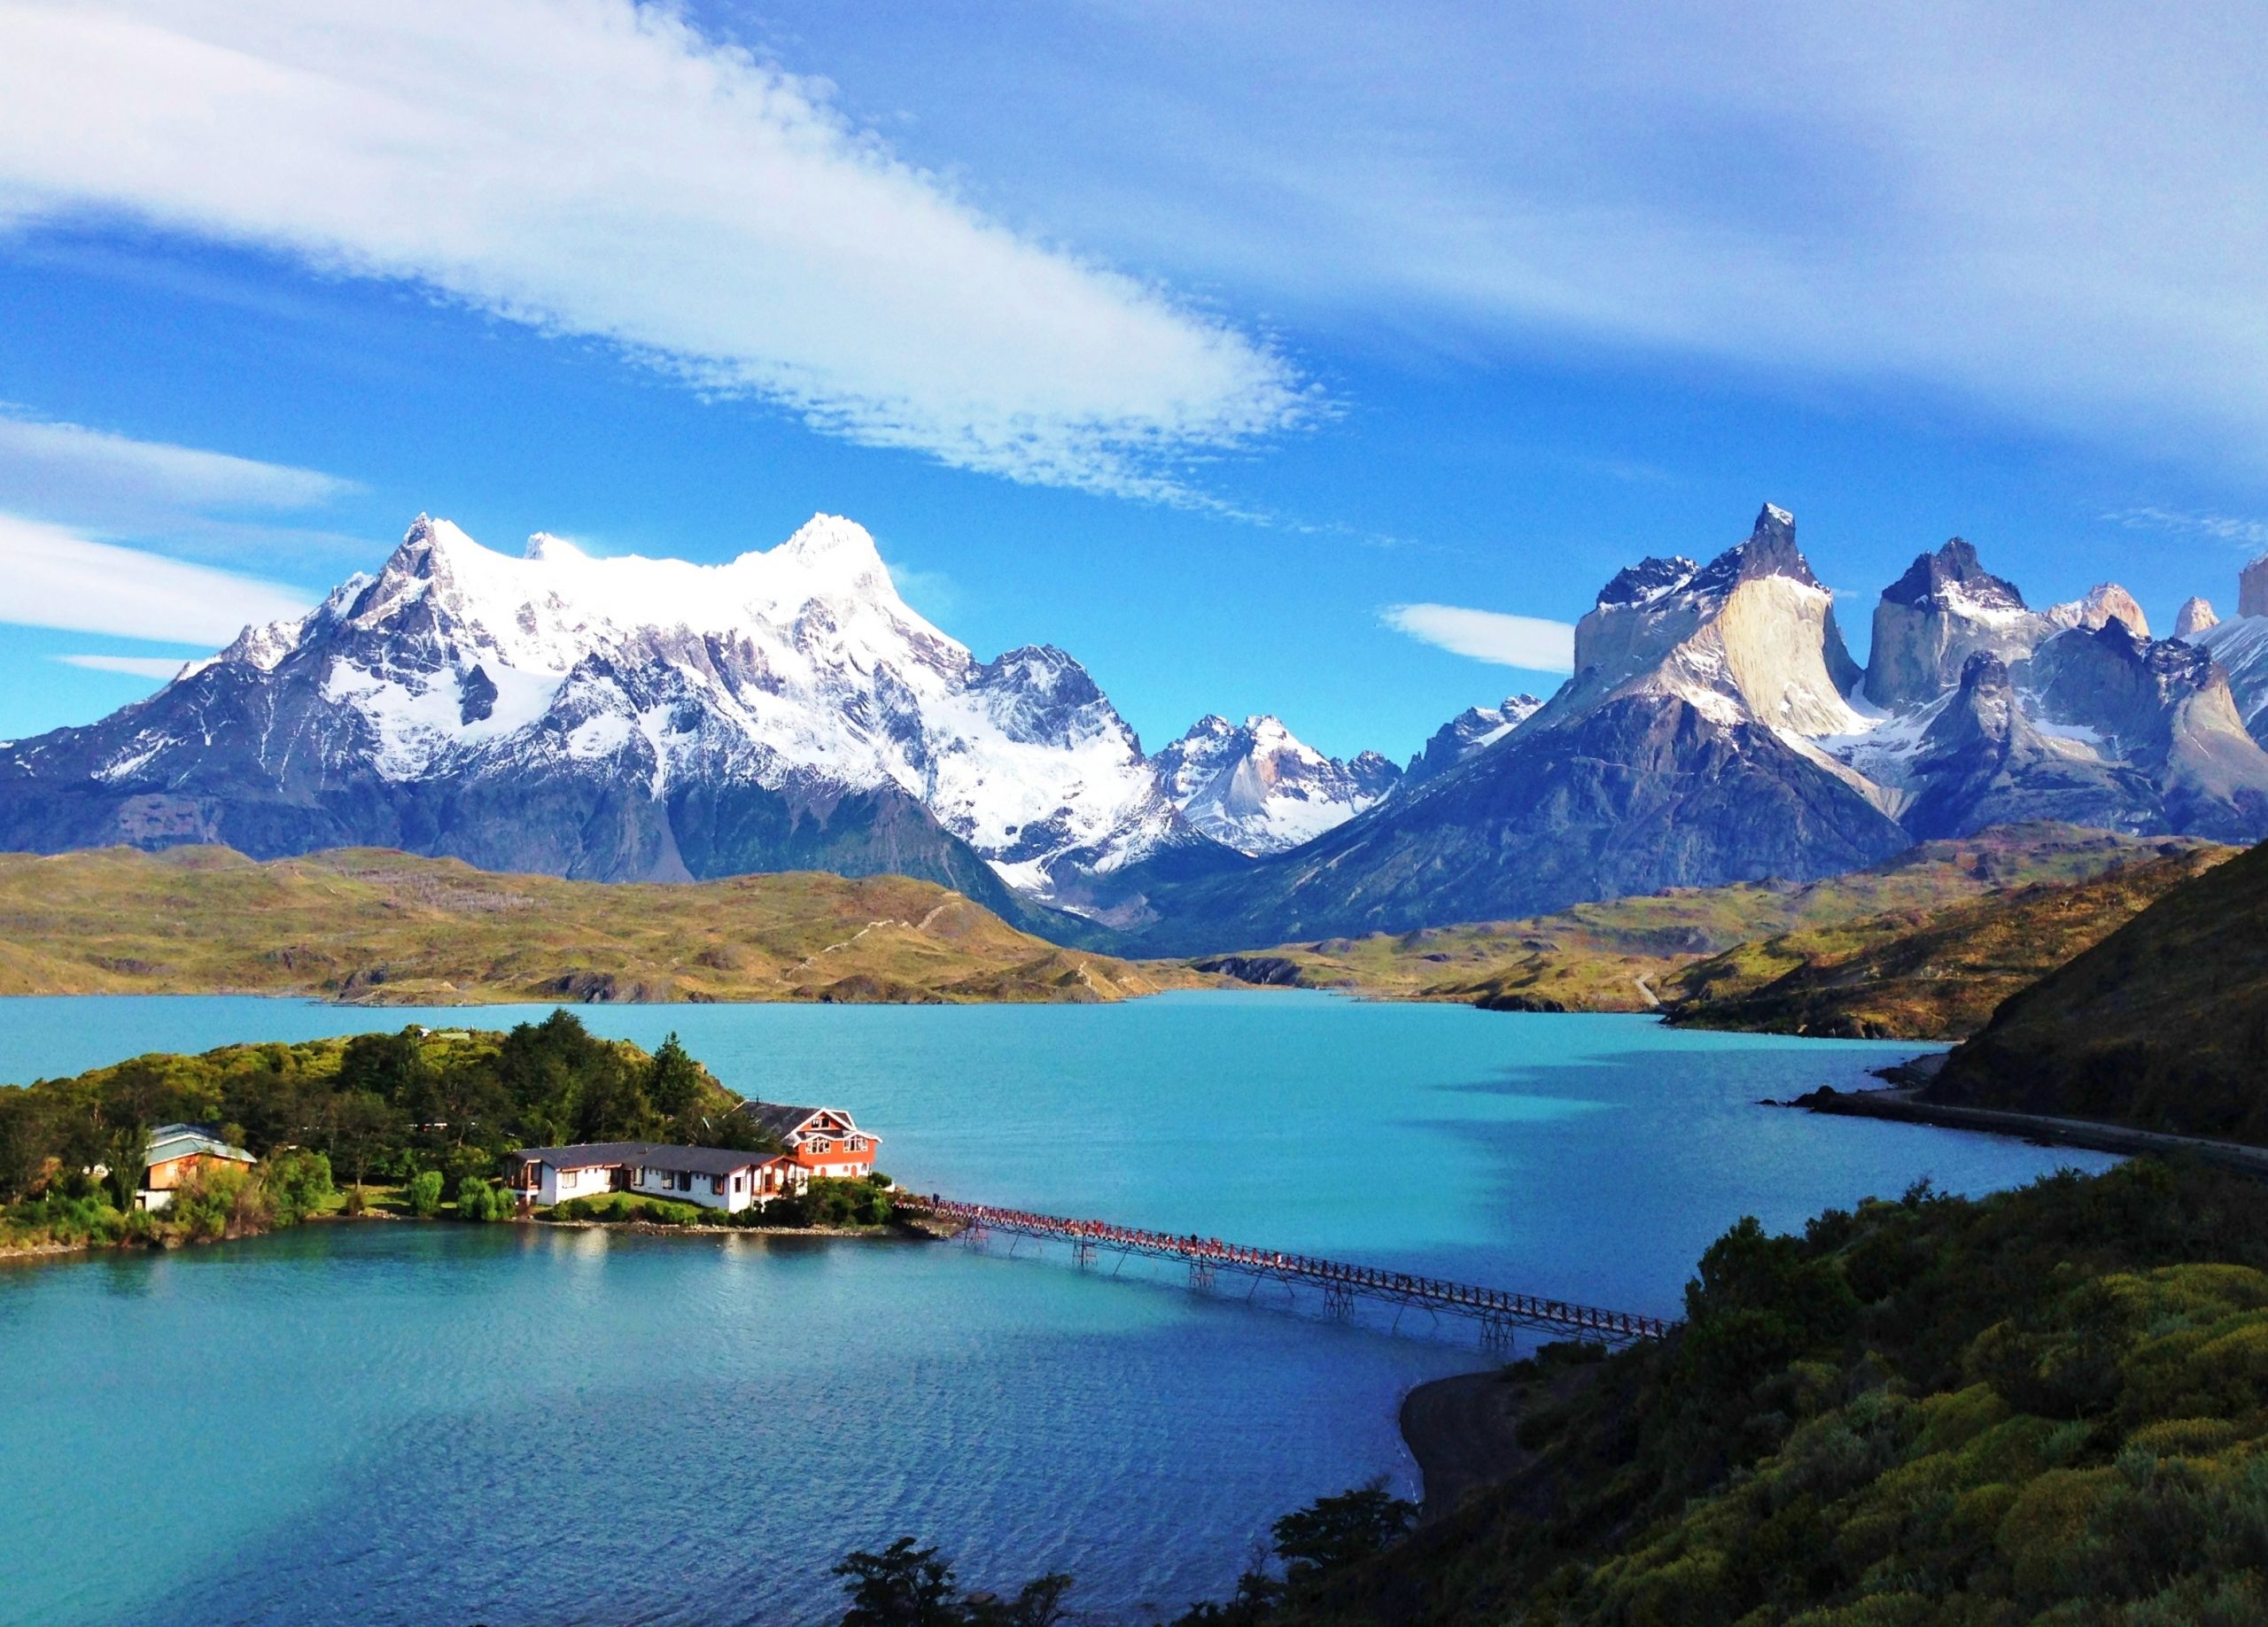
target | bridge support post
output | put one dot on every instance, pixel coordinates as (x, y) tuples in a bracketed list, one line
[(1200, 1275), (1085, 1253), (1498, 1333), (1337, 1300)]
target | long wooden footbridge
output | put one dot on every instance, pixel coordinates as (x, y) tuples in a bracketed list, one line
[(1500, 1313)]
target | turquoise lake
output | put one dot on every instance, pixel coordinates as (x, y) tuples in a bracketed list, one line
[(437, 1423)]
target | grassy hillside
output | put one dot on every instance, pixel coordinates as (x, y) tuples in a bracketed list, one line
[(386, 928), (1927, 973), (2045, 1407), (1629, 955), (2163, 1025)]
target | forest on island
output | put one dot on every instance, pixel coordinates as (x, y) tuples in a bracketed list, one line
[(432, 1112)]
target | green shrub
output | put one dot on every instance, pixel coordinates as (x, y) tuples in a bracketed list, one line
[(424, 1193), (477, 1200), (69, 1221), (296, 1183), (217, 1201)]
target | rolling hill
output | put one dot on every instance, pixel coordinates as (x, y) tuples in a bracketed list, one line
[(2163, 1025), (1641, 954), (381, 928)]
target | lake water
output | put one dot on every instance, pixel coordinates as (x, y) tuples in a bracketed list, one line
[(434, 1423)]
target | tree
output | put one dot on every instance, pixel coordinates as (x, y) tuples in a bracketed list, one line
[(901, 1586), (1335, 1531), (360, 1130), (673, 1079), (424, 1193), (296, 1183)]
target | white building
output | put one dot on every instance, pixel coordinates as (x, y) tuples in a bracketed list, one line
[(712, 1177)]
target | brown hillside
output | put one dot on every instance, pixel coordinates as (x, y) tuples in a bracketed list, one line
[(2163, 1025), (1922, 974), (381, 928)]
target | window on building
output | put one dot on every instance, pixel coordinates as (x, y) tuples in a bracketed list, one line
[(822, 1145), (717, 1186)]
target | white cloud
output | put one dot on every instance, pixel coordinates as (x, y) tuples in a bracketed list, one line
[(50, 577), (1525, 641), (2057, 213), (42, 462), (133, 666), (597, 167)]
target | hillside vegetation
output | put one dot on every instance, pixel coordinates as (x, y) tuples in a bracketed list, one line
[(2163, 1025), (381, 928), (1922, 974), (2047, 1406), (1644, 953)]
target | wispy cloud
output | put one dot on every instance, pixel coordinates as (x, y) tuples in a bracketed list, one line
[(56, 578), (62, 465), (598, 167), (132, 666), (1525, 641), (2218, 527), (2066, 225)]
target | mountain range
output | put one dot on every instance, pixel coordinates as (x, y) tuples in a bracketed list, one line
[(637, 719)]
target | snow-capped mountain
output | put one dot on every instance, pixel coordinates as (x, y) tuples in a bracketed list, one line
[(1472, 730), (1256, 787), (618, 718), (1716, 729)]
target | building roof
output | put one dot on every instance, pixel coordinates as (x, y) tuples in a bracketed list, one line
[(784, 1120), (168, 1142), (646, 1155)]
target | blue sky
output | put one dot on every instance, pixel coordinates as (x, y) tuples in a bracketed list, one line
[(1190, 339)]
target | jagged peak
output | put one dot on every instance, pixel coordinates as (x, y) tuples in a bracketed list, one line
[(1954, 566), (2195, 617), (1650, 578), (2105, 601), (1770, 550)]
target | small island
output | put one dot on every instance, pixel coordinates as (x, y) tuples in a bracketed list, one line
[(547, 1122)]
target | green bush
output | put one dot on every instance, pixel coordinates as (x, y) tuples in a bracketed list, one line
[(71, 1222), (477, 1200), (217, 1201), (424, 1193), (296, 1183)]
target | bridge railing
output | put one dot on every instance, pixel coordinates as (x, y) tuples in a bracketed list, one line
[(1403, 1288)]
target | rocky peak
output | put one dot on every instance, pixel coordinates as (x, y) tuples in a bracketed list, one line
[(2194, 617), (1470, 731), (2105, 601), (2252, 588), (1953, 578), (1931, 620), (1642, 584), (1749, 636)]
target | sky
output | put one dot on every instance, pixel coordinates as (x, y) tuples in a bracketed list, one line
[(1319, 360)]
